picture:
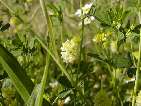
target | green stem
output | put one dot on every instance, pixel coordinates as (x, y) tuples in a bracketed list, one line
[(72, 4), (81, 44), (11, 10), (39, 98), (50, 31), (34, 14), (42, 4), (138, 68), (62, 27), (81, 38)]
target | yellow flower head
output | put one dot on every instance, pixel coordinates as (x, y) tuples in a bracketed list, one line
[(14, 20), (101, 37)]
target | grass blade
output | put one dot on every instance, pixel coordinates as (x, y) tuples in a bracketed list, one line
[(20, 80)]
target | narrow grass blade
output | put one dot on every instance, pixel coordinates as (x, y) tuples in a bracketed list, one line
[(20, 80), (39, 98)]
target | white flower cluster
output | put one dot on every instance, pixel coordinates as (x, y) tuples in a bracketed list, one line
[(54, 84), (85, 10), (67, 100), (70, 50)]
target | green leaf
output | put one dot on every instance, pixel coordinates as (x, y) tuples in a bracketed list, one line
[(31, 43), (104, 25), (3, 75), (110, 14), (98, 58), (121, 41), (137, 29), (121, 29), (125, 14), (128, 25), (32, 100), (20, 80), (95, 56), (121, 62), (53, 7), (65, 82), (63, 94), (39, 98)]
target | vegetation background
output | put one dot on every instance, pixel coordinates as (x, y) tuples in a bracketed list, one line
[(70, 52)]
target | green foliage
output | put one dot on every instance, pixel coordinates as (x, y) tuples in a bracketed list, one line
[(121, 62), (19, 78), (33, 35), (102, 99)]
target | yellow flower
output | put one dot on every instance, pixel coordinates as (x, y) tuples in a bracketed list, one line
[(101, 37), (14, 21)]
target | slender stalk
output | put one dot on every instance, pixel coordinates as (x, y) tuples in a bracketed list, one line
[(9, 8), (49, 28), (39, 98), (81, 43), (42, 4), (62, 27), (82, 30), (81, 38), (138, 68), (72, 6), (34, 14)]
